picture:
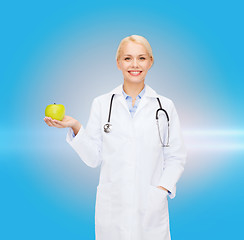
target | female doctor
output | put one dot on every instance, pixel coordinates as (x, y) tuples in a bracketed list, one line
[(134, 134)]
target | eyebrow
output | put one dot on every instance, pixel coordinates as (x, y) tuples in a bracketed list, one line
[(138, 55)]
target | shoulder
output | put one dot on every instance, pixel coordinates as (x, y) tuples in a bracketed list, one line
[(165, 101), (102, 101), (103, 98)]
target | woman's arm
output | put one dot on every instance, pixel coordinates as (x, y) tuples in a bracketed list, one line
[(88, 141), (76, 127)]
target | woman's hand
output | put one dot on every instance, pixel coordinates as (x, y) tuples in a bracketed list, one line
[(66, 122)]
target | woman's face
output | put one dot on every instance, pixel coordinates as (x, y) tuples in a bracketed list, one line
[(134, 62)]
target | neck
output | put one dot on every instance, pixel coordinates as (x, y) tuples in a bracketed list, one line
[(133, 89)]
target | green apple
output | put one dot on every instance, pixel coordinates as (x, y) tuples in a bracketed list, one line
[(55, 111)]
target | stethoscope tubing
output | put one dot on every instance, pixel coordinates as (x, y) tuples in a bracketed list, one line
[(108, 125), (166, 114)]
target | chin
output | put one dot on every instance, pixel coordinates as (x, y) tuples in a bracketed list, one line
[(135, 81)]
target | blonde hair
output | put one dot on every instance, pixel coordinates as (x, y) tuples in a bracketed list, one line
[(136, 39)]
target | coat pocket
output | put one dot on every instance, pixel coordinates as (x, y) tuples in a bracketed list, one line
[(103, 205), (156, 213)]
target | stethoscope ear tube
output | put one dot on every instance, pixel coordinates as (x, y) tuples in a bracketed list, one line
[(111, 102), (161, 109), (167, 116)]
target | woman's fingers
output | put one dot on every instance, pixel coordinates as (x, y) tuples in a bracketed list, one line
[(53, 122), (47, 120), (67, 121), (58, 123)]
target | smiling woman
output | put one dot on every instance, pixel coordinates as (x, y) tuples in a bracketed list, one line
[(134, 58), (136, 173)]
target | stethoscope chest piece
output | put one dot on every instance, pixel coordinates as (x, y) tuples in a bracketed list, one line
[(107, 127)]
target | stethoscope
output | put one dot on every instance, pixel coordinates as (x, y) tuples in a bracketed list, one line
[(108, 125)]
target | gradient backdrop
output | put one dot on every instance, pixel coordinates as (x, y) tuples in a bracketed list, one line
[(64, 52)]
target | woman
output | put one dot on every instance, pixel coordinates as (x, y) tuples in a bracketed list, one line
[(138, 168)]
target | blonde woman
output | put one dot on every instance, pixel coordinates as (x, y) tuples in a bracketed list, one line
[(134, 135)]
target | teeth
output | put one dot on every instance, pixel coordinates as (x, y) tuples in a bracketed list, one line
[(135, 72)]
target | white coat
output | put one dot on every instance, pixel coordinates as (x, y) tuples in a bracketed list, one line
[(129, 206)]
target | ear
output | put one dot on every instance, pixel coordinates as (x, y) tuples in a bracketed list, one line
[(151, 62), (118, 64)]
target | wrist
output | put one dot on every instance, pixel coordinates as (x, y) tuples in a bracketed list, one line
[(76, 127), (163, 188)]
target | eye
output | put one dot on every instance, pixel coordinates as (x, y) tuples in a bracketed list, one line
[(142, 58), (127, 58)]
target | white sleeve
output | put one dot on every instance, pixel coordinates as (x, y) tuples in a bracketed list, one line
[(87, 142), (174, 155)]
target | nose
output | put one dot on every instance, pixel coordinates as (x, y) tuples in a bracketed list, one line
[(134, 63)]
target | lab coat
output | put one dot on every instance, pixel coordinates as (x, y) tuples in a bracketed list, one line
[(129, 206)]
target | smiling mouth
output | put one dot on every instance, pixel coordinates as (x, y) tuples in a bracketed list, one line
[(134, 73)]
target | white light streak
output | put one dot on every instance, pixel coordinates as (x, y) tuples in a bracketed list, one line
[(214, 139)]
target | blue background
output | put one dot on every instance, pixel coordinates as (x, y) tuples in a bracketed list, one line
[(64, 52)]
